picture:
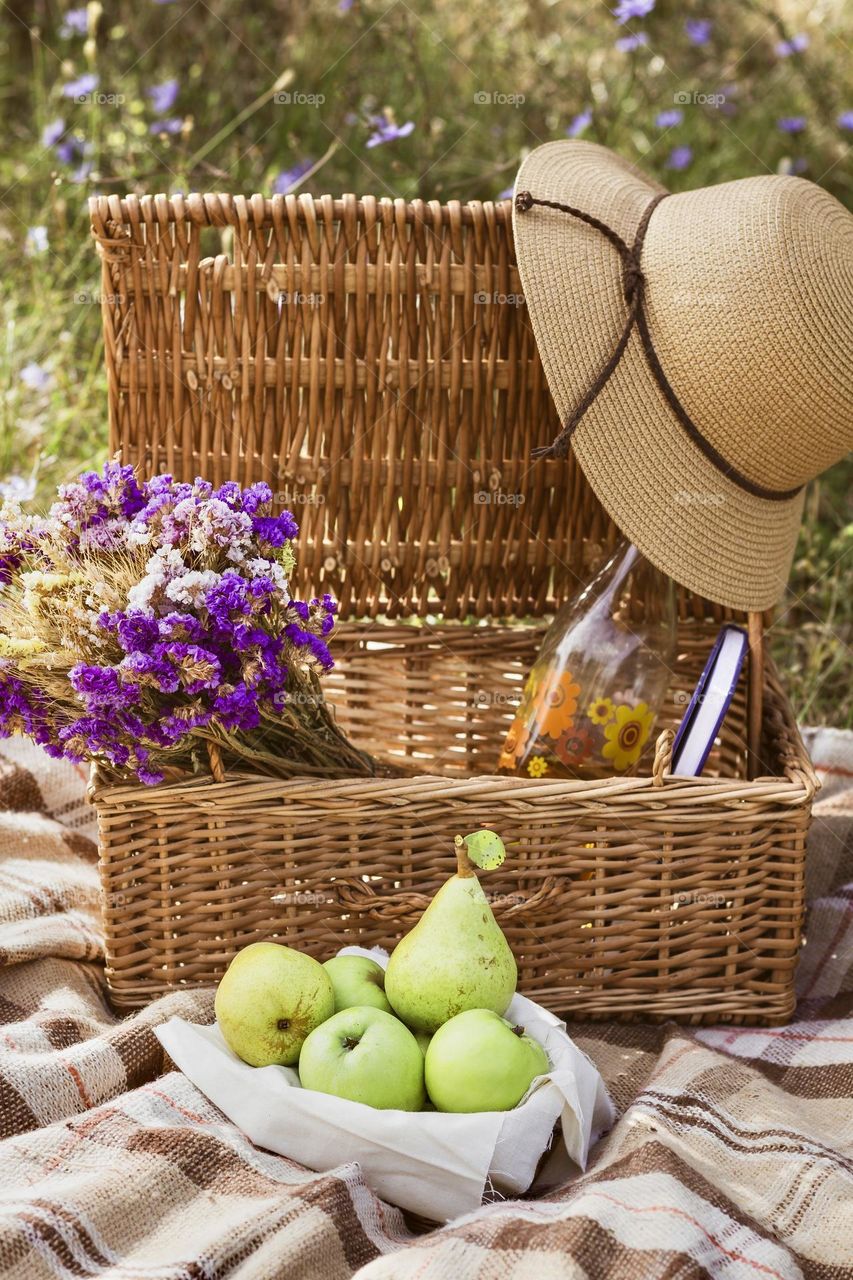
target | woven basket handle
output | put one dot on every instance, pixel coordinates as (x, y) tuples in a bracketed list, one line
[(396, 905), (755, 695), (214, 755), (663, 756)]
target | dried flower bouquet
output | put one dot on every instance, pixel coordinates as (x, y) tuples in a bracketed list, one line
[(149, 628)]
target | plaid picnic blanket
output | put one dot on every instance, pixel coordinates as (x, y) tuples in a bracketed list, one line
[(732, 1156)]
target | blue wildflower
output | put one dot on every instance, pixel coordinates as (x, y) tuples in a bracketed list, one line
[(680, 158), (628, 9), (163, 96), (698, 30), (81, 87), (385, 130), (580, 123), (669, 119)]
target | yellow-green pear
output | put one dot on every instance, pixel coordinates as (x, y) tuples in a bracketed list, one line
[(269, 1000), (456, 957)]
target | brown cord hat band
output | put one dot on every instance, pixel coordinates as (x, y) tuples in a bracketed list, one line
[(633, 287)]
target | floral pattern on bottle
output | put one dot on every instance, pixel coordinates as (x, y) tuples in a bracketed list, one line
[(627, 734)]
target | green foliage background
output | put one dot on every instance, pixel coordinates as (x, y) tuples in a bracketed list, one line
[(480, 82)]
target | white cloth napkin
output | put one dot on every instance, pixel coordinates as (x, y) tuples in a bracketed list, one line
[(431, 1163)]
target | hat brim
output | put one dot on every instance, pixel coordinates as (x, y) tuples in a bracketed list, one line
[(683, 513)]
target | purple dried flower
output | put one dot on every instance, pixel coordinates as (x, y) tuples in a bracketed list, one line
[(256, 495), (150, 670), (197, 668), (276, 530), (845, 120), (151, 777), (791, 124), (237, 708), (137, 631)]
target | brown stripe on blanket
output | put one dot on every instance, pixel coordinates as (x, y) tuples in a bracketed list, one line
[(95, 1259), (736, 1137), (205, 1160), (332, 1194), (15, 1114), (832, 1080), (80, 844), (592, 1247), (655, 1157), (211, 1165), (141, 1053), (19, 790)]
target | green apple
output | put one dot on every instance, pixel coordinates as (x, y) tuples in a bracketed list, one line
[(478, 1061), (423, 1038), (268, 1001), (357, 980), (366, 1055)]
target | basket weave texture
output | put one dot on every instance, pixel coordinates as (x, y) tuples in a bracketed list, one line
[(373, 362)]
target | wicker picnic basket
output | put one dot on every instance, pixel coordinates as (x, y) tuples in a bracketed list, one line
[(373, 361)]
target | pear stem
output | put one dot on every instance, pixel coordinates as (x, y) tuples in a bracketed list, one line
[(464, 865)]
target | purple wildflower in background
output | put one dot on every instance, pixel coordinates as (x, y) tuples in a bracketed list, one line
[(680, 158), (628, 9), (171, 125), (797, 44), (163, 96), (580, 122), (289, 177), (344, 6), (81, 87), (385, 130), (627, 44), (845, 120), (36, 241), (74, 23), (791, 124), (35, 376), (669, 119), (798, 165), (52, 132), (73, 149), (698, 30)]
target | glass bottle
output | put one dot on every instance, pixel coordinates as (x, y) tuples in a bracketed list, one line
[(591, 700)]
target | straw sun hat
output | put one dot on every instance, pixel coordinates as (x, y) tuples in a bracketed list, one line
[(699, 348)]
